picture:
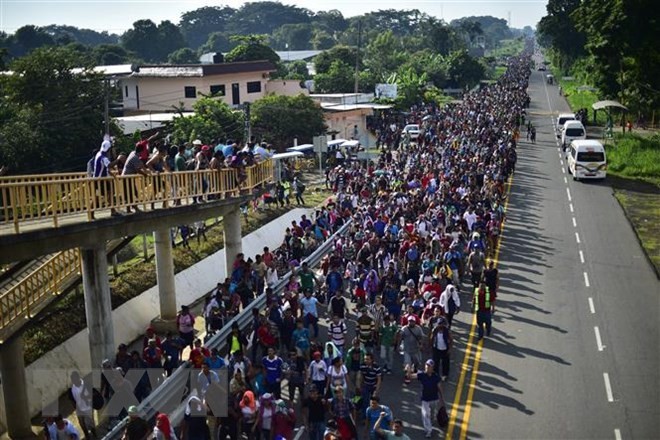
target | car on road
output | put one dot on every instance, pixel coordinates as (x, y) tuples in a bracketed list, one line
[(561, 120), (572, 131), (412, 130), (542, 68), (586, 160)]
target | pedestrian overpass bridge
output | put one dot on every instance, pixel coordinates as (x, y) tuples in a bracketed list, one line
[(63, 222)]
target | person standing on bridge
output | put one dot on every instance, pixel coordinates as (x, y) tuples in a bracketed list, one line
[(101, 168), (483, 307)]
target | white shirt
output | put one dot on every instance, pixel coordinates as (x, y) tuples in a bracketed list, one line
[(470, 219), (317, 370), (82, 398), (439, 342), (444, 298)]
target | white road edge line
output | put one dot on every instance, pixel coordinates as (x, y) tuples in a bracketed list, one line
[(617, 434), (608, 387), (586, 279), (577, 237), (574, 223), (592, 309), (570, 206), (599, 341), (581, 257), (568, 193)]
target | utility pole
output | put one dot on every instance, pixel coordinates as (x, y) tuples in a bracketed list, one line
[(107, 107), (248, 129), (357, 61)]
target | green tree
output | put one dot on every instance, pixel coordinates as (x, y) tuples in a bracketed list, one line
[(331, 21), (384, 55), (108, 54), (198, 25), (339, 78), (557, 30), (213, 121), (251, 48), (410, 87), (322, 40), (279, 119), (50, 115), (151, 42), (464, 70), (183, 56), (345, 54), (264, 17), (218, 42), (296, 36)]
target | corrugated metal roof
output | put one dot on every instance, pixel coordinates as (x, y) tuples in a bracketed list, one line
[(169, 71), (199, 70)]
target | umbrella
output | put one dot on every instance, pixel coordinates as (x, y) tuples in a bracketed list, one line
[(600, 105), (427, 117)]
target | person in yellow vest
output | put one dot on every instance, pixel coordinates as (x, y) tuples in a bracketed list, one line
[(483, 306)]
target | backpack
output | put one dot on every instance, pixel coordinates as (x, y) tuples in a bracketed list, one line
[(451, 304)]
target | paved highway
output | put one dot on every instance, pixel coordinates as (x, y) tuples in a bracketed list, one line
[(574, 352)]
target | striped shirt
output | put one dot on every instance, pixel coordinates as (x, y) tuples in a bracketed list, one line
[(370, 374), (337, 333), (377, 313)]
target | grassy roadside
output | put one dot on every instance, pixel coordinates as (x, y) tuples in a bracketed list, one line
[(634, 156), (643, 212), (135, 275)]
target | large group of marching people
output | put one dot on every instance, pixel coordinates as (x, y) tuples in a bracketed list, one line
[(425, 220)]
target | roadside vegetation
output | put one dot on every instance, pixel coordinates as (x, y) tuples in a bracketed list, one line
[(643, 211), (634, 156), (135, 275)]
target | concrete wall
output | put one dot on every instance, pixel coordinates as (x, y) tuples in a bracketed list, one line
[(285, 87), (48, 376)]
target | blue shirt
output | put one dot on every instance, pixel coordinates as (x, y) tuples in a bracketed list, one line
[(215, 364), (273, 368), (374, 414), (429, 386)]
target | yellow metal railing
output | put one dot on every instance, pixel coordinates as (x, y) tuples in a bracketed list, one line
[(31, 294), (51, 199), (27, 178)]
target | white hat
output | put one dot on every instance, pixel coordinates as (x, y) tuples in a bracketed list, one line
[(105, 146), (197, 142)]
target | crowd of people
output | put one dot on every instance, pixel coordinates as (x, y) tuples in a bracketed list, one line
[(426, 219)]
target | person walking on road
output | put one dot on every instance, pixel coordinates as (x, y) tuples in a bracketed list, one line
[(412, 336), (483, 307), (431, 394), (441, 341), (450, 302)]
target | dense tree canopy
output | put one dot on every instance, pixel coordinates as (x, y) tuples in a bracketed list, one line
[(198, 25), (251, 48), (280, 119), (213, 121), (153, 42), (50, 117), (612, 45)]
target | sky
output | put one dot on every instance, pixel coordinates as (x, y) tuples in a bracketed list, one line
[(116, 16)]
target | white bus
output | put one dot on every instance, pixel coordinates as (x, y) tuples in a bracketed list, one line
[(586, 160)]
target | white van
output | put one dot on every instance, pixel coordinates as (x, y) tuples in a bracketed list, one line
[(586, 160), (561, 120), (572, 131)]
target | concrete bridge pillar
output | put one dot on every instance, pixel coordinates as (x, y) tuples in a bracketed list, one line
[(233, 237), (166, 284), (14, 390), (98, 307)]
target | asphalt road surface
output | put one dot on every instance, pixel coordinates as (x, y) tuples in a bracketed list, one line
[(576, 334)]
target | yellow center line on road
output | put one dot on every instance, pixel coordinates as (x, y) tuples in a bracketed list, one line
[(477, 356)]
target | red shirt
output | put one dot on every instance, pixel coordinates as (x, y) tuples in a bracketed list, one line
[(404, 319), (197, 356)]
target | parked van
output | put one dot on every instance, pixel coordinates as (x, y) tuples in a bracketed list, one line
[(561, 120), (572, 131), (586, 159)]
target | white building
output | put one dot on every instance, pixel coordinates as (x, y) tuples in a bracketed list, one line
[(162, 88)]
